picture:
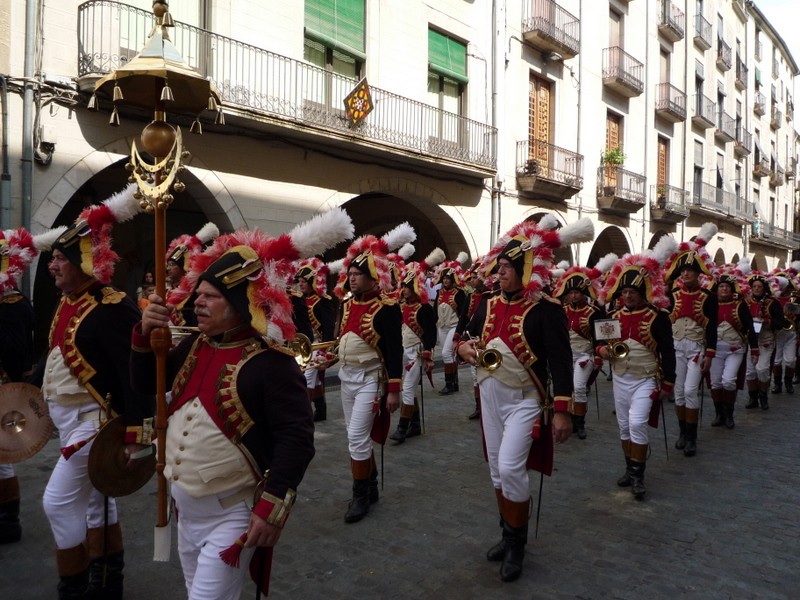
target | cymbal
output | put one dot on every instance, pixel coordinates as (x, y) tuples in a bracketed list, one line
[(25, 425), (108, 471)]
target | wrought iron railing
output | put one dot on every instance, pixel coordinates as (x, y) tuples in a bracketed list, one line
[(619, 183), (548, 18), (536, 157), (671, 16), (775, 68), (670, 98), (778, 235), (702, 31), (254, 79), (776, 116), (726, 125), (744, 139), (724, 55), (669, 198), (759, 49), (618, 64), (741, 73), (705, 108), (759, 103)]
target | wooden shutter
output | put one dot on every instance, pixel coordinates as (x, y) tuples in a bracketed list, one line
[(662, 175), (539, 119)]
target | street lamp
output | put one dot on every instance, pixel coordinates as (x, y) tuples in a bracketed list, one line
[(156, 79)]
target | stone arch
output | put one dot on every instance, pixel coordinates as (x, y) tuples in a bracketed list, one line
[(611, 239), (95, 178), (719, 257), (759, 263), (735, 260)]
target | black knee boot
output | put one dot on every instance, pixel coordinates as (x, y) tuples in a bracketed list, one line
[(414, 426), (515, 536), (73, 572), (359, 505), (107, 561), (753, 399), (637, 479), (10, 528), (788, 380)]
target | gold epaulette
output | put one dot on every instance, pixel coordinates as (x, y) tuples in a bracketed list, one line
[(111, 295), (388, 301), (11, 299)]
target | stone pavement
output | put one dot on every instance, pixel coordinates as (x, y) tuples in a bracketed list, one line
[(724, 524)]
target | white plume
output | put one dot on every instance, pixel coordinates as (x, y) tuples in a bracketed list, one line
[(321, 232), (462, 257), (664, 248), (44, 241), (744, 266), (406, 251), (707, 231), (123, 205), (795, 265), (434, 258), (207, 232), (782, 282), (564, 265), (581, 230), (402, 234), (548, 221), (604, 264), (335, 267)]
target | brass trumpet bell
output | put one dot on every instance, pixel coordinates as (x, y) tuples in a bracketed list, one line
[(618, 350), (301, 347), (490, 359)]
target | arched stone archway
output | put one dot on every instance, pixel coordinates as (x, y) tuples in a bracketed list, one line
[(719, 257), (759, 263), (611, 239), (735, 260), (133, 240)]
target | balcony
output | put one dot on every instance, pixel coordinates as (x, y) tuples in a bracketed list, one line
[(671, 22), (775, 68), (280, 96), (789, 111), (622, 73), (670, 103), (775, 118), (726, 128), (760, 167), (668, 204), (740, 8), (759, 104), (791, 171), (776, 176), (741, 74), (724, 56), (744, 211), (702, 33), (743, 144), (550, 28), (620, 192), (759, 52), (770, 235), (712, 201), (704, 112), (548, 171)]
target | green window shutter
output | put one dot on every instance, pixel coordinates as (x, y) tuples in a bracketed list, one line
[(338, 24), (447, 56)]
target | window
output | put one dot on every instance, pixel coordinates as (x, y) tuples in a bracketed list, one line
[(697, 171), (540, 119), (334, 42), (447, 81)]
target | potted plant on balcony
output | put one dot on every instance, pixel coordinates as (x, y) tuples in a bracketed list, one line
[(611, 158), (661, 196)]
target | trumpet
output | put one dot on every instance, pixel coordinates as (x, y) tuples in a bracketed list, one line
[(618, 349), (488, 358), (303, 348)]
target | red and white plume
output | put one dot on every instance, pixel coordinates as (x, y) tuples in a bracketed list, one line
[(17, 251)]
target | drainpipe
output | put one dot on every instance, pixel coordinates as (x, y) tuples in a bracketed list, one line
[(648, 114), (27, 112), (5, 178), (497, 180), (578, 130)]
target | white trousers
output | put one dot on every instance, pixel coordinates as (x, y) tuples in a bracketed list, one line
[(6, 471), (725, 365), (761, 369), (204, 530), (358, 392), (448, 347), (688, 372), (786, 349), (508, 416), (632, 402), (412, 374), (582, 367), (70, 501), (312, 378)]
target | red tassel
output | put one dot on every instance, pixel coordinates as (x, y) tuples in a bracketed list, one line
[(230, 556), (70, 450), (536, 432)]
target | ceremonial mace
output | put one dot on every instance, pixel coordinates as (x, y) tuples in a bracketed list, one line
[(156, 79)]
